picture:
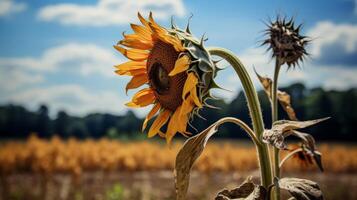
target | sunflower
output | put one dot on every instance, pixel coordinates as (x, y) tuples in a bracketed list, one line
[(286, 41), (177, 69)]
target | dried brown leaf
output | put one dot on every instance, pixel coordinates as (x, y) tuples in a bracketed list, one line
[(246, 191), (283, 97), (285, 101), (309, 147), (188, 154), (283, 128), (301, 189), (266, 83)]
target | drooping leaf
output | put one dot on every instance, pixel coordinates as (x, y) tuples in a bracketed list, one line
[(301, 189), (266, 83), (283, 128), (285, 101), (283, 97), (188, 154), (246, 191), (309, 147)]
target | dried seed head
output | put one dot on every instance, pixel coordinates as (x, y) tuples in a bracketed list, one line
[(287, 44)]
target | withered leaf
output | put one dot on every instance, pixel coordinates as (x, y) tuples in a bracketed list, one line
[(301, 189), (188, 154), (246, 191), (285, 101), (309, 146), (283, 97), (266, 83), (283, 128)]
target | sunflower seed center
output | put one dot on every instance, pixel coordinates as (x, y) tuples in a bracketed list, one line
[(160, 78)]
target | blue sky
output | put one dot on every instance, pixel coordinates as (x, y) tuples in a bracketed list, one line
[(60, 53)]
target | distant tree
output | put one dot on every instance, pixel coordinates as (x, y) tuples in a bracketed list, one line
[(77, 128), (61, 124), (129, 123), (348, 118), (17, 122), (43, 122), (94, 124)]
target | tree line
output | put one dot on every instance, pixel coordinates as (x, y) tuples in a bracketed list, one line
[(18, 122)]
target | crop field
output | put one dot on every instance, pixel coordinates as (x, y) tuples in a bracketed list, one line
[(111, 169)]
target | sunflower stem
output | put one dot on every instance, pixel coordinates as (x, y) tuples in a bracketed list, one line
[(274, 111), (254, 110), (289, 156)]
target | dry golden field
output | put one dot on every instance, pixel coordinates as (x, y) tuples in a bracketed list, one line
[(74, 156), (33, 168)]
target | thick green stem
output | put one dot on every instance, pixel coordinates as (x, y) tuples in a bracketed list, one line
[(274, 111), (254, 110)]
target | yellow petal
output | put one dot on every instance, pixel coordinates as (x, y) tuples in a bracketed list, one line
[(131, 104), (177, 44), (163, 35), (133, 54), (131, 65), (161, 134), (136, 44), (132, 72), (181, 65), (137, 81), (190, 83), (140, 104), (142, 31), (173, 125), (194, 97), (187, 106), (153, 111), (154, 24), (178, 121), (159, 122), (142, 98), (143, 20), (133, 37)]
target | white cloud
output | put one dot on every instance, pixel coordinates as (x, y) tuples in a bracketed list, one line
[(72, 98), (13, 79), (84, 59), (27, 80), (334, 43), (328, 76), (8, 7), (109, 12), (260, 60)]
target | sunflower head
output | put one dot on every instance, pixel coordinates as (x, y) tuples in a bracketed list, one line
[(177, 69), (286, 42)]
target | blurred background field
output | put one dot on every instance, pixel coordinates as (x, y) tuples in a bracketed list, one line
[(65, 133), (113, 169), (103, 156)]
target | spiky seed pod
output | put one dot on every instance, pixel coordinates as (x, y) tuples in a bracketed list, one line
[(286, 42)]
